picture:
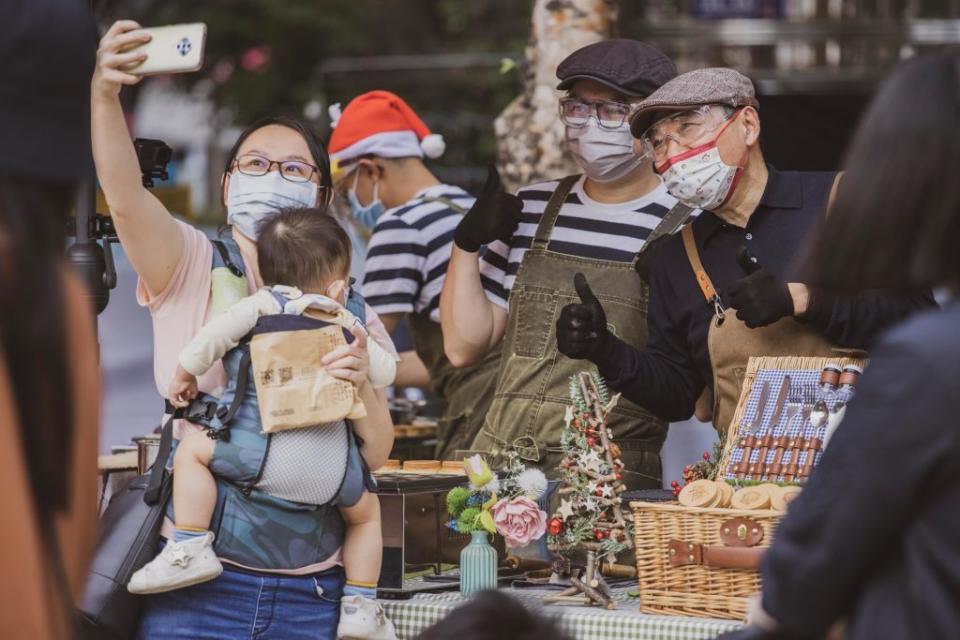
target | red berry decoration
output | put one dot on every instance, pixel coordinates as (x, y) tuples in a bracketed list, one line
[(706, 456), (619, 476), (674, 484), (555, 526), (590, 442), (599, 536), (599, 491)]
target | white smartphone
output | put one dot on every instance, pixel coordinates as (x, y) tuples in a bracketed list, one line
[(177, 48)]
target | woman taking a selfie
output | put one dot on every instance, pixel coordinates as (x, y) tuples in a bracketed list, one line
[(276, 163)]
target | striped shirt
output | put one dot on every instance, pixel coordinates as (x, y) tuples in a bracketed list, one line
[(584, 228), (409, 251)]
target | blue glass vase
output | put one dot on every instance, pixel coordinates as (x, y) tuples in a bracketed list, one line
[(478, 565)]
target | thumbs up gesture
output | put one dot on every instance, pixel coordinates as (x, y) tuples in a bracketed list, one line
[(582, 326), (495, 215), (760, 297)]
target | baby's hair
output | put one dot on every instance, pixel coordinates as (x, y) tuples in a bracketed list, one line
[(303, 248)]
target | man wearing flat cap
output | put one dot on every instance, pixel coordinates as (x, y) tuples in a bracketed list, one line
[(726, 288), (598, 224)]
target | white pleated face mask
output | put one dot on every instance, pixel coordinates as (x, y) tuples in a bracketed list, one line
[(603, 154), (253, 199)]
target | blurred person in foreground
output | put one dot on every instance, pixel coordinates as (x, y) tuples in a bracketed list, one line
[(872, 540), (493, 615), (49, 381)]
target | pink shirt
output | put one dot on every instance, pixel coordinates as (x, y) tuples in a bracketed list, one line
[(180, 310)]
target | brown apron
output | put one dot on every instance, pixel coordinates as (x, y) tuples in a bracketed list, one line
[(731, 343), (533, 386), (467, 391)]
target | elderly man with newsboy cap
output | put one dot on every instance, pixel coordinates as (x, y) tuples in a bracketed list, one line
[(727, 287)]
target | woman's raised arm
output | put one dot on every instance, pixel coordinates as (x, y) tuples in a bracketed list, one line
[(147, 231)]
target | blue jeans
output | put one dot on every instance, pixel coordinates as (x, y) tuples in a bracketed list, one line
[(240, 605)]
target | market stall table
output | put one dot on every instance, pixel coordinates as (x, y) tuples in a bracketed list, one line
[(415, 440), (414, 615)]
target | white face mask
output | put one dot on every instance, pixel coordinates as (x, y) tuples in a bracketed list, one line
[(699, 177), (253, 199), (604, 155)]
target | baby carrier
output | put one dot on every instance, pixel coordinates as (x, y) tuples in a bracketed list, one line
[(268, 517)]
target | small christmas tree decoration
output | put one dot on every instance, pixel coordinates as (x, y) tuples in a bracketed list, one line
[(590, 517)]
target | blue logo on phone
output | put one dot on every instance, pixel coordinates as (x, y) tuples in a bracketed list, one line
[(184, 46)]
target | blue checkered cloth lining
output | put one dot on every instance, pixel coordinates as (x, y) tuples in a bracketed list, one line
[(411, 617), (804, 385)]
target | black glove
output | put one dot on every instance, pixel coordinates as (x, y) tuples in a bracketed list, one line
[(582, 327), (495, 215), (760, 298)]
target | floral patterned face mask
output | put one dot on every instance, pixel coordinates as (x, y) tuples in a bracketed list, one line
[(699, 177)]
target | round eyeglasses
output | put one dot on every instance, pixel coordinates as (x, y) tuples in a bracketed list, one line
[(252, 164)]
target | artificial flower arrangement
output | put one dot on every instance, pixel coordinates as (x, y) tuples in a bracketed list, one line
[(500, 505)]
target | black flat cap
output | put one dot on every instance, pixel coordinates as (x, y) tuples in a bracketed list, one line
[(629, 66), (48, 48)]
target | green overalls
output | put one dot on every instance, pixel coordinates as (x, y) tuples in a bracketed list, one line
[(532, 390), (467, 391)]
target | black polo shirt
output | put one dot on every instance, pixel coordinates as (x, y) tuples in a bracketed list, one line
[(669, 375)]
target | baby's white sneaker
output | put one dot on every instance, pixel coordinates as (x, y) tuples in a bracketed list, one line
[(364, 619), (180, 564)]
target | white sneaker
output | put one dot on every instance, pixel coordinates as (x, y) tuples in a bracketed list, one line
[(180, 564), (364, 619)]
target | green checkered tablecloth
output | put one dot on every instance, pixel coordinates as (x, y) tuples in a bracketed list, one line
[(582, 623)]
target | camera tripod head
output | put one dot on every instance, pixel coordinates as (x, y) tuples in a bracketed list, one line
[(153, 156)]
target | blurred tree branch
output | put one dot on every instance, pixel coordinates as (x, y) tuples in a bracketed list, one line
[(530, 136)]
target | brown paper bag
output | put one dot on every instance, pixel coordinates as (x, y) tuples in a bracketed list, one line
[(293, 388)]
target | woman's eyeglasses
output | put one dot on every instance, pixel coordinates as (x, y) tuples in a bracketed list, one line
[(293, 170)]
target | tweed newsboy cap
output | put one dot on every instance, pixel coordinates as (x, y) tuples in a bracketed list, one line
[(715, 85)]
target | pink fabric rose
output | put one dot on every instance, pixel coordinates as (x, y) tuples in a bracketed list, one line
[(519, 521)]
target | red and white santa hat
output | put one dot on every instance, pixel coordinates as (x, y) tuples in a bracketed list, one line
[(379, 123)]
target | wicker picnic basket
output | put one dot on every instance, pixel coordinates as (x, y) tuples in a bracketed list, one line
[(703, 562)]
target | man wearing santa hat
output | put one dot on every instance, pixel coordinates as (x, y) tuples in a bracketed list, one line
[(377, 151)]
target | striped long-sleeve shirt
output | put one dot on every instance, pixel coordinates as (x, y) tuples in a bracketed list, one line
[(585, 228), (409, 251)]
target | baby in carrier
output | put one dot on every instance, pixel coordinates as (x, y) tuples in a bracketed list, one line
[(304, 259)]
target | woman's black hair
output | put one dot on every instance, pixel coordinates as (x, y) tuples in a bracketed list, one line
[(33, 344), (317, 150), (896, 219)]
